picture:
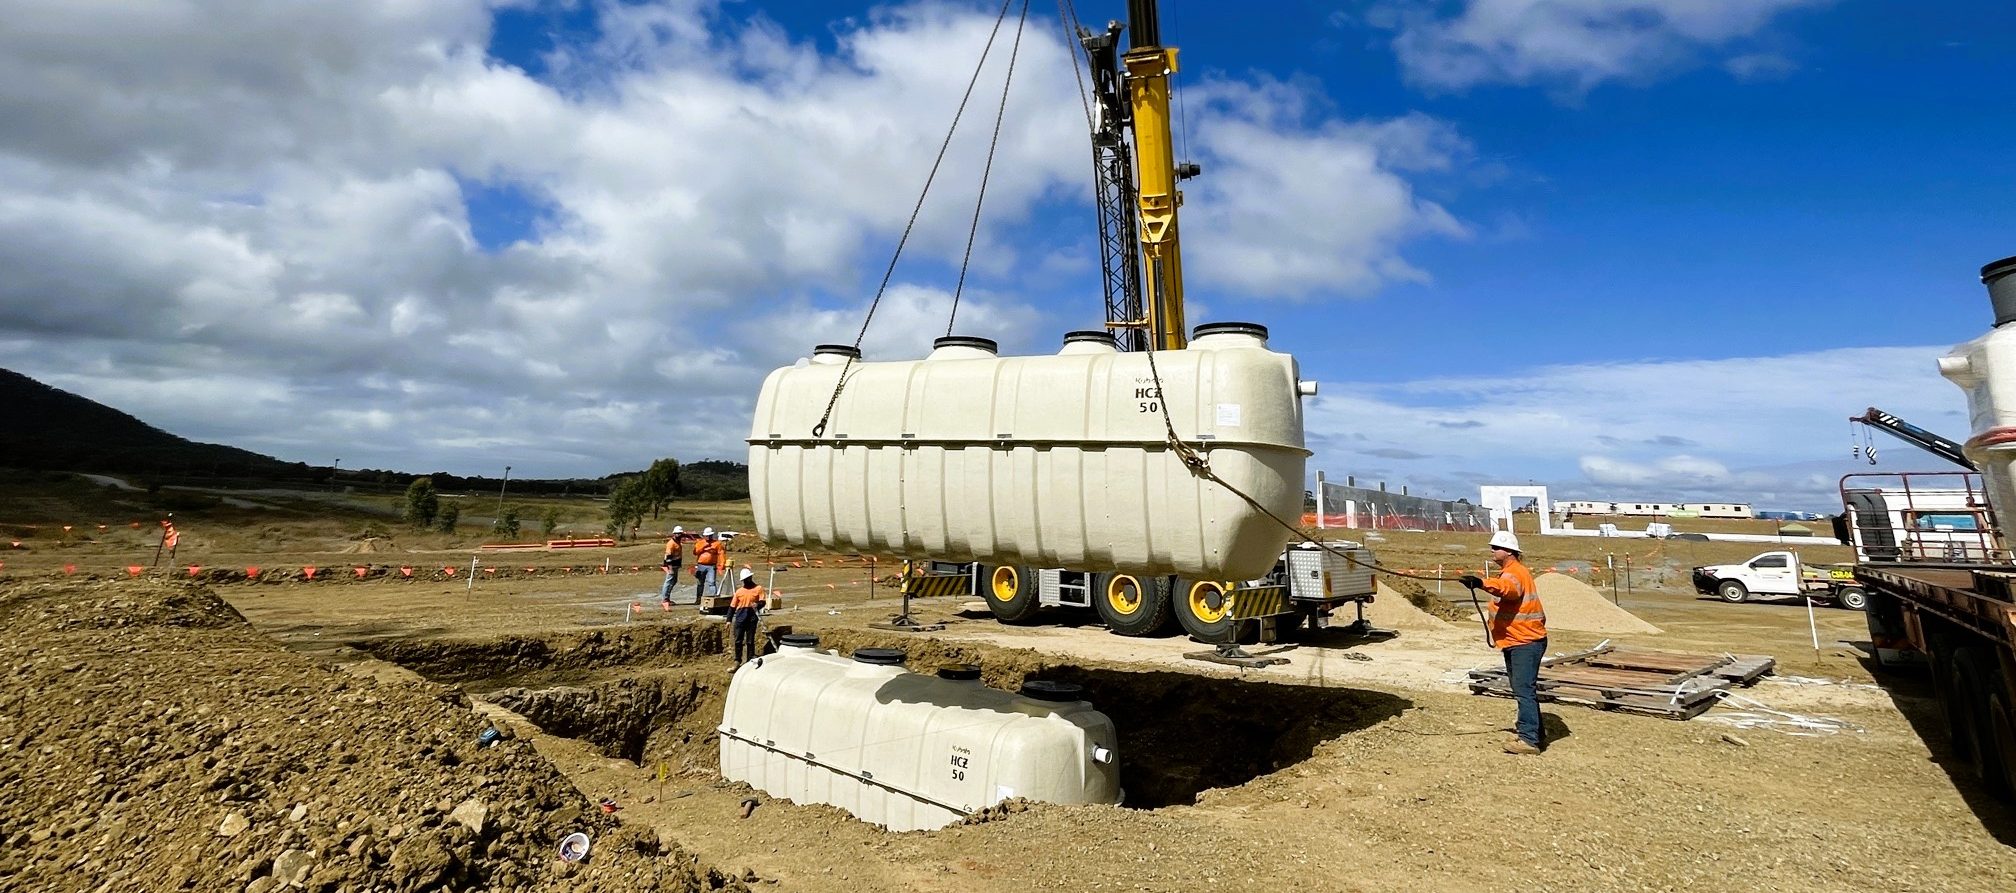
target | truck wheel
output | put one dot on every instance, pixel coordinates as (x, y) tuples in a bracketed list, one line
[(1732, 591), (1204, 609), (1976, 699), (1010, 592), (1854, 598), (2002, 737), (1131, 605)]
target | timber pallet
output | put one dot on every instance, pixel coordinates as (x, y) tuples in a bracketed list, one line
[(1661, 683)]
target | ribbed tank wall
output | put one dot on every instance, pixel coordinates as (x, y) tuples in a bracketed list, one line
[(906, 750), (1985, 368), (1054, 461)]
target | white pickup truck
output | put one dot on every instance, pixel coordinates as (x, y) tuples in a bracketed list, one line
[(1781, 573)]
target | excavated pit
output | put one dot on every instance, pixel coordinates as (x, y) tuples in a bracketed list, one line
[(656, 694)]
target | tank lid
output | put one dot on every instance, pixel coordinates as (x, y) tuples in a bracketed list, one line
[(1230, 328), (2000, 277), (962, 672), (1101, 336), (1052, 690), (843, 350), (881, 657), (799, 640), (973, 341)]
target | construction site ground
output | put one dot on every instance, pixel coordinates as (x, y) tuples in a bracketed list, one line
[(1358, 765)]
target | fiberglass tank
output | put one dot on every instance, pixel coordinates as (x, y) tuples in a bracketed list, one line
[(1048, 461), (1986, 369)]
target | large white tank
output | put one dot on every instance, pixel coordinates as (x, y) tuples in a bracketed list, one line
[(1049, 461), (1986, 369), (905, 750)]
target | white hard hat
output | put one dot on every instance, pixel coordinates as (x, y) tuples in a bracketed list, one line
[(748, 574), (708, 532), (676, 529), (1505, 539)]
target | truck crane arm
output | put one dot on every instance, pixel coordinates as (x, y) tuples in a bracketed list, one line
[(1914, 435)]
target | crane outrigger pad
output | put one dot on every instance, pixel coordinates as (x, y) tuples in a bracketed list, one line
[(1234, 656)]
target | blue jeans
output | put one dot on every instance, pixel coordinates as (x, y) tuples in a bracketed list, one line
[(705, 587), (1522, 664), (671, 580)]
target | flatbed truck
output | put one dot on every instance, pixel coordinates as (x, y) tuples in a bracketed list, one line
[(1959, 621)]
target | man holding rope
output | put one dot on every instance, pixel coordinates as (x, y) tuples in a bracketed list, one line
[(1516, 626)]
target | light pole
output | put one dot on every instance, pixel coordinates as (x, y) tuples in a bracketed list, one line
[(500, 492), (335, 471)]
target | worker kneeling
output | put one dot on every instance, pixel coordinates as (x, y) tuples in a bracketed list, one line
[(743, 608)]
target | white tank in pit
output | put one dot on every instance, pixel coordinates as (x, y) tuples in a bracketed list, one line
[(1985, 368), (905, 750), (1050, 461)]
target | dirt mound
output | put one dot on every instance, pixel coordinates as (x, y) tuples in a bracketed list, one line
[(1394, 610), (156, 741), (1435, 606), (369, 545), (1573, 604)]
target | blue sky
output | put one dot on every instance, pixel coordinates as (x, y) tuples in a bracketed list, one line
[(1644, 249)]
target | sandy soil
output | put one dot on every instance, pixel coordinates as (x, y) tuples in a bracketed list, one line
[(1359, 765)]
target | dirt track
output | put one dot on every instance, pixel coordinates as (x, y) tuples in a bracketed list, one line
[(1332, 773)]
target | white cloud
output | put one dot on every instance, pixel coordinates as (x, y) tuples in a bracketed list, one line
[(1287, 207), (249, 222), (1571, 44), (1767, 430)]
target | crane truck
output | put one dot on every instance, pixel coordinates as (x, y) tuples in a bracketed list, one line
[(1137, 200), (1946, 598)]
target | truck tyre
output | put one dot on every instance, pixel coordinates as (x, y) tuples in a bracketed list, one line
[(1204, 609), (1732, 591), (1854, 598), (1939, 650), (1010, 591), (2002, 741), (1978, 702), (1131, 605)]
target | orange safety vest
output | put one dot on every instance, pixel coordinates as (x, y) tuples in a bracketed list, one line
[(1516, 616), (675, 549), (711, 552), (751, 597)]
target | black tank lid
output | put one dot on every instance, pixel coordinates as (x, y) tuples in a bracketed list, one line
[(799, 640), (986, 344), (1051, 690), (848, 350), (881, 657), (1998, 269), (1230, 328), (961, 672), (1100, 336)]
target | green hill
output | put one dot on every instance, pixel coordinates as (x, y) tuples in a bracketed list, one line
[(53, 429)]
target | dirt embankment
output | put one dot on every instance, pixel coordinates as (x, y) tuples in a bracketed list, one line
[(151, 740)]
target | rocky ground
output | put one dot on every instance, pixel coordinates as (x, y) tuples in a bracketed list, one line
[(142, 717), (150, 739)]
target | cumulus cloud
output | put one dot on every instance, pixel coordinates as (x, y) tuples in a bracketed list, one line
[(1767, 430), (1575, 45), (251, 222)]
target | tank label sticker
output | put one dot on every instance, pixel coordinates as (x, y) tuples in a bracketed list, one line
[(1228, 415)]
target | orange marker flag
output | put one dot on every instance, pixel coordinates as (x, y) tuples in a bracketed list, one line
[(193, 569), (405, 572), (309, 570), (251, 573), (360, 571), (69, 569), (134, 569)]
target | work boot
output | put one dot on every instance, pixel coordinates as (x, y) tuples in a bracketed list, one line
[(1520, 747)]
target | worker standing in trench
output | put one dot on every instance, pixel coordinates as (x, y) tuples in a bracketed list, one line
[(743, 609), (1518, 629)]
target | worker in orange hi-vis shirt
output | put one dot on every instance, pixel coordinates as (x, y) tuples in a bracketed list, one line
[(1518, 627), (710, 561), (743, 609), (675, 558)]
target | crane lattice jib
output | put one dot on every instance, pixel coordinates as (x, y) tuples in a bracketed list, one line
[(1113, 174)]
